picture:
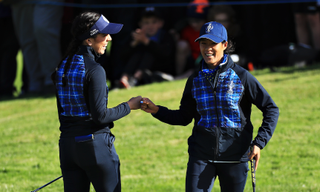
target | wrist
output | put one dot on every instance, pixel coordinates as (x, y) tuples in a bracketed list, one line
[(256, 144), (155, 111)]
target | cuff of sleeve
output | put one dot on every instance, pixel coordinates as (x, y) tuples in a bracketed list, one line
[(257, 144), (159, 113), (127, 107)]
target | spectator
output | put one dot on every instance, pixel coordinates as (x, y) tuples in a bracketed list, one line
[(38, 31), (307, 23), (9, 47), (149, 55), (307, 20), (255, 21), (129, 17), (188, 51)]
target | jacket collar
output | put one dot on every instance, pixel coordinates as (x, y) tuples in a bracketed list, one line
[(87, 50), (224, 65)]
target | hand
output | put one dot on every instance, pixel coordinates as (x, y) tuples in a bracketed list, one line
[(148, 106), (255, 153), (139, 36), (134, 102)]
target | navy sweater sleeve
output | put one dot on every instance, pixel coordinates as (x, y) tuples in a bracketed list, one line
[(261, 98), (100, 113), (185, 114)]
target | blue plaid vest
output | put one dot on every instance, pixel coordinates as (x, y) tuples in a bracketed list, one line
[(222, 111), (71, 97)]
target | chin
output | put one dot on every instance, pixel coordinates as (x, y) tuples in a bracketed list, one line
[(210, 62)]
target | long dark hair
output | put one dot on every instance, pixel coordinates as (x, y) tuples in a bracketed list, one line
[(80, 25)]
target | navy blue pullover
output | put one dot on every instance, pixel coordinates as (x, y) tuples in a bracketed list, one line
[(221, 112), (96, 116)]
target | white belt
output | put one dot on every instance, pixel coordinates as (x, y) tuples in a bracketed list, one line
[(224, 161)]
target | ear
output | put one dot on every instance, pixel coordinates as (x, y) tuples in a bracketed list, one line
[(87, 42), (225, 45)]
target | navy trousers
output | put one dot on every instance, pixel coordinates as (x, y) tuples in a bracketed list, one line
[(201, 175), (94, 161)]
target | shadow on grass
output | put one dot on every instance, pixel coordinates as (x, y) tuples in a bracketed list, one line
[(266, 71), (287, 69), (26, 96), (303, 69)]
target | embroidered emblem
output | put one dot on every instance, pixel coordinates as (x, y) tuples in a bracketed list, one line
[(93, 32), (231, 86), (209, 28)]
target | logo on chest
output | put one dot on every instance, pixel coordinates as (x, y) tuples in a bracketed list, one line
[(230, 88)]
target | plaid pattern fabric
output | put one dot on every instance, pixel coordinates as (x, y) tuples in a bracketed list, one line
[(71, 97), (228, 93)]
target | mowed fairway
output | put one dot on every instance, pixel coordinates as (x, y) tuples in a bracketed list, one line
[(154, 155)]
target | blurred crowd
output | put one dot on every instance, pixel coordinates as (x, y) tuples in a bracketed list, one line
[(156, 43)]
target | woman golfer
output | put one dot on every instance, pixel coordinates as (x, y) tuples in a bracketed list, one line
[(218, 97), (87, 153)]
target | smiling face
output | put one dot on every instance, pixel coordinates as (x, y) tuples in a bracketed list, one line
[(212, 52), (99, 43)]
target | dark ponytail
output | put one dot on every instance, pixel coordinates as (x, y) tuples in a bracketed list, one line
[(230, 48), (81, 24)]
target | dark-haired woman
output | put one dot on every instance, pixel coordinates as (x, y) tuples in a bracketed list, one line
[(87, 153), (218, 97)]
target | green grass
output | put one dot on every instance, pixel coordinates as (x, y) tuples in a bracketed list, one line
[(18, 81), (154, 155)]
